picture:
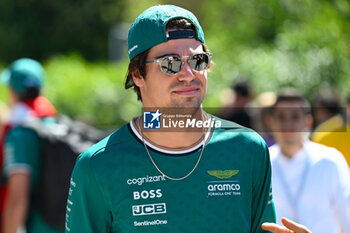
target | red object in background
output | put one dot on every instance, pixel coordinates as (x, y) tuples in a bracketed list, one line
[(3, 186)]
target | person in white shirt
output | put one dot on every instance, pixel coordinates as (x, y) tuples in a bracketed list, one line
[(310, 182)]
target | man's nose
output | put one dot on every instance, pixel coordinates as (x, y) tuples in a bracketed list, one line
[(186, 73)]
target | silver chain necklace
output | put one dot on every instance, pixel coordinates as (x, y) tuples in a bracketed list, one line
[(155, 165)]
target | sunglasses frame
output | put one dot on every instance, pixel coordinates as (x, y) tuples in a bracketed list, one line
[(161, 59)]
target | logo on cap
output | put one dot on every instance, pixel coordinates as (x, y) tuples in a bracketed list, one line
[(133, 48)]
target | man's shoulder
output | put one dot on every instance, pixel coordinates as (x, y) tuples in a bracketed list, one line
[(322, 153), (107, 155), (242, 140), (274, 150), (115, 141), (228, 125), (229, 129), (324, 158), (20, 133)]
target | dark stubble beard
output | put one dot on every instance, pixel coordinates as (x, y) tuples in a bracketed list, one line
[(191, 102)]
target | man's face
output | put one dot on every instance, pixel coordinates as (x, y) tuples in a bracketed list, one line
[(289, 122), (186, 88)]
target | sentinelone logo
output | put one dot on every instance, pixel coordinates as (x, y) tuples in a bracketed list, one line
[(155, 120), (150, 223)]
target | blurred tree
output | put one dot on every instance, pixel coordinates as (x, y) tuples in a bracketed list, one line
[(92, 92), (43, 28), (300, 43)]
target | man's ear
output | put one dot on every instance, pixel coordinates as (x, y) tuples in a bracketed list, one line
[(137, 77)]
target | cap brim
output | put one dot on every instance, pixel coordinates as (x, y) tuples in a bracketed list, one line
[(128, 80)]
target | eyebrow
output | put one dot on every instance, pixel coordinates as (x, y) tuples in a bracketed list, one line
[(168, 54)]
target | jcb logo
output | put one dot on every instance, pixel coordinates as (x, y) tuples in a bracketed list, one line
[(149, 209)]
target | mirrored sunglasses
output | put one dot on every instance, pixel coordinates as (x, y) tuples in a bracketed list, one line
[(172, 64)]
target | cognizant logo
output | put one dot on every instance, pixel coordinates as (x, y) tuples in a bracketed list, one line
[(146, 179)]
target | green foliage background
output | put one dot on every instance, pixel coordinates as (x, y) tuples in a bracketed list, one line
[(276, 43), (43, 28)]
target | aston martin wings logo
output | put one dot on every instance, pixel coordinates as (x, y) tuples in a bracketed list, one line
[(223, 174)]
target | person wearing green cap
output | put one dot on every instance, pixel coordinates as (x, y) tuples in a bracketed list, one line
[(21, 147), (175, 168)]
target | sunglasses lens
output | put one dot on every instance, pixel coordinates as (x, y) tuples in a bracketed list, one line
[(199, 62), (171, 65)]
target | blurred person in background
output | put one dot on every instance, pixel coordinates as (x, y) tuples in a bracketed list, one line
[(261, 112), (4, 112), (327, 113), (339, 138), (24, 78), (311, 182), (236, 105)]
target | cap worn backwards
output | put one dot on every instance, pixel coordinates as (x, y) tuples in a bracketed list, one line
[(149, 30), (22, 74)]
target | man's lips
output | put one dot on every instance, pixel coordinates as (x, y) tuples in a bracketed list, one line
[(186, 90)]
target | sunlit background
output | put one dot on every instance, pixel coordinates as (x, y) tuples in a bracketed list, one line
[(82, 45)]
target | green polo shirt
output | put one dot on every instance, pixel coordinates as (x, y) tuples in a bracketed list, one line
[(115, 187)]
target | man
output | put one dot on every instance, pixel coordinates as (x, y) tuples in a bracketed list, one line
[(24, 78), (311, 182), (4, 112), (236, 108), (327, 114), (171, 178), (338, 137)]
